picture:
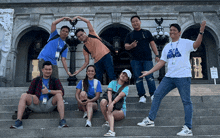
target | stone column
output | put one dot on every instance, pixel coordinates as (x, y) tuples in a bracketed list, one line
[(6, 24)]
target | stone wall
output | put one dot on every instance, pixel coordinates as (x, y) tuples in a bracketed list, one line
[(6, 23), (30, 15)]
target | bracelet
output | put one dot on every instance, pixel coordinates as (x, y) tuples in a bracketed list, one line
[(201, 33)]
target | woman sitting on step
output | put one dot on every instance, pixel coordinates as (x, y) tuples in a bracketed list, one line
[(87, 93), (113, 104)]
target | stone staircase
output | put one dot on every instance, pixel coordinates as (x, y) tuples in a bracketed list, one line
[(169, 121)]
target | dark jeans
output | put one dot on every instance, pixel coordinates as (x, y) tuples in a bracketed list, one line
[(105, 63), (167, 84), (138, 67)]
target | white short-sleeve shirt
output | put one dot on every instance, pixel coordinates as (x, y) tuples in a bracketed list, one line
[(177, 55)]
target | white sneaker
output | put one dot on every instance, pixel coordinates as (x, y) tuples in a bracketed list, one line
[(85, 115), (185, 131), (152, 98), (110, 134), (146, 123), (88, 123), (142, 99), (106, 124)]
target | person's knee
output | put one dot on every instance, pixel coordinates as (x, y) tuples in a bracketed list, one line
[(26, 98), (150, 79), (59, 97), (89, 105), (83, 95), (23, 96), (103, 103), (139, 80)]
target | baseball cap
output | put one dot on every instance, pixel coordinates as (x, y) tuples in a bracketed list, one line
[(128, 73)]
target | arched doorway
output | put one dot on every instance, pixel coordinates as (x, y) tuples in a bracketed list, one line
[(205, 56), (198, 58), (116, 34), (28, 49)]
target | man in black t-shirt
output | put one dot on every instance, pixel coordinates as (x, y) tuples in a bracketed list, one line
[(137, 42)]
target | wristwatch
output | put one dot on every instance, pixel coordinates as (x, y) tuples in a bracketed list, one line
[(201, 33), (49, 91), (157, 55)]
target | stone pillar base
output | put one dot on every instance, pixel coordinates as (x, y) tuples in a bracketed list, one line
[(3, 82)]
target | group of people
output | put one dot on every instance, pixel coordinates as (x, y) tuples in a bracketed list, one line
[(46, 92), (88, 93)]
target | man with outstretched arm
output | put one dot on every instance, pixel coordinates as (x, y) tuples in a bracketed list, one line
[(55, 48), (176, 54), (44, 95), (99, 52)]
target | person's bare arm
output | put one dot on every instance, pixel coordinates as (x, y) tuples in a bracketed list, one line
[(154, 48), (63, 59), (198, 41), (130, 46), (89, 25), (54, 23), (54, 92), (158, 66), (86, 63)]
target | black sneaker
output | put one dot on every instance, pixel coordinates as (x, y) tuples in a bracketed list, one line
[(62, 123), (18, 124)]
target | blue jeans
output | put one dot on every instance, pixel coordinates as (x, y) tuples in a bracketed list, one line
[(167, 84), (105, 63), (138, 67)]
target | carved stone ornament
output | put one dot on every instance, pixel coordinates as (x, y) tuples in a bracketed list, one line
[(6, 24), (116, 17)]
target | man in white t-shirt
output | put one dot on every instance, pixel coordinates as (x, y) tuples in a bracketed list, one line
[(176, 54)]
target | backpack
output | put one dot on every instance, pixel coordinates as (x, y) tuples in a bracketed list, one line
[(107, 44), (64, 48), (95, 84)]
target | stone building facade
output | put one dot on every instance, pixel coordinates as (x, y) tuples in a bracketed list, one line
[(25, 27)]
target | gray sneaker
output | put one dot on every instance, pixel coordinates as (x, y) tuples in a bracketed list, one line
[(146, 123), (152, 98), (85, 115), (142, 99), (106, 124), (110, 134), (185, 131), (88, 123)]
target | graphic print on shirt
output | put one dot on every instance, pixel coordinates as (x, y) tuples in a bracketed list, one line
[(171, 55)]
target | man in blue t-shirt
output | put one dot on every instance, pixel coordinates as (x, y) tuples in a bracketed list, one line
[(137, 42), (52, 50)]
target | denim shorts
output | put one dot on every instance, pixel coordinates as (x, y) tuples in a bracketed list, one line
[(124, 111)]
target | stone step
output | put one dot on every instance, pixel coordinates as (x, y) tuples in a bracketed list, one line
[(97, 122), (120, 131), (196, 90), (129, 113), (131, 106), (170, 99), (198, 136), (170, 117)]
